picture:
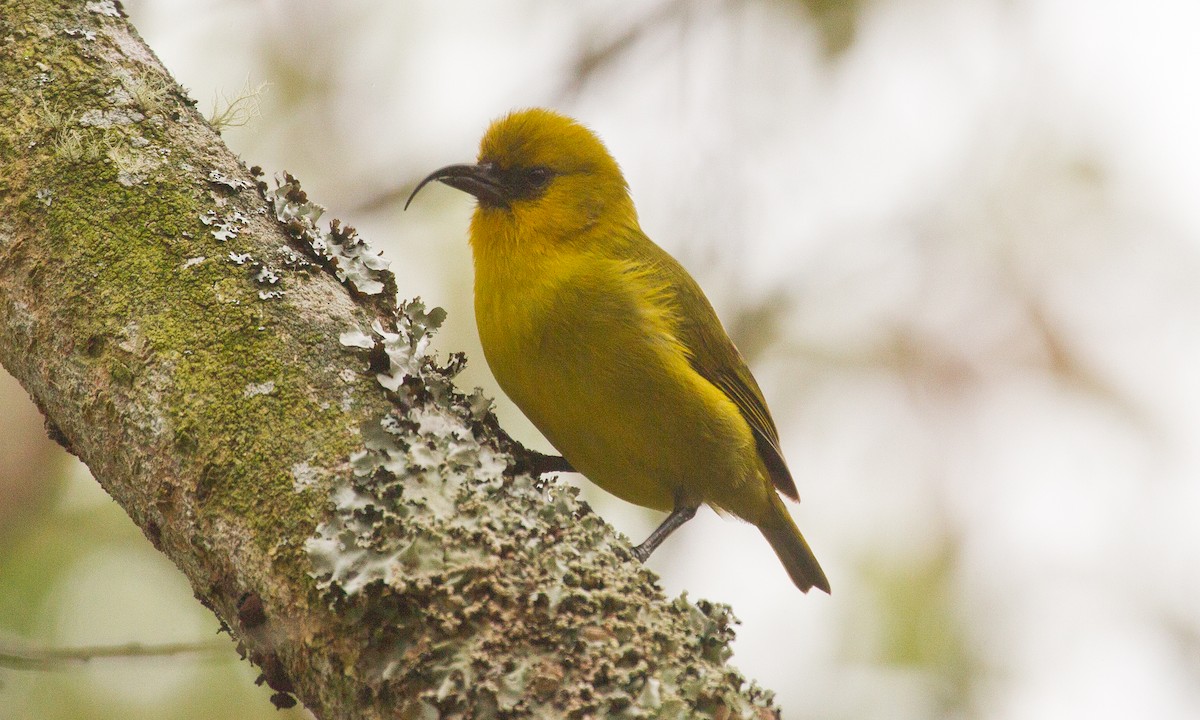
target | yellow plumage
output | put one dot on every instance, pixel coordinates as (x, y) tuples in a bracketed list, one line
[(608, 345)]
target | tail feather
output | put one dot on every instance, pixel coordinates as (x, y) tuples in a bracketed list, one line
[(780, 530)]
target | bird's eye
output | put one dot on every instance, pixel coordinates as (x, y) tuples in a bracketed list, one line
[(538, 176)]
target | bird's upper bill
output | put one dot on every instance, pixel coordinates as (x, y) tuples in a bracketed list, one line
[(483, 181)]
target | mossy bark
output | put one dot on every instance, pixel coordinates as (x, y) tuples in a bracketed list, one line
[(223, 416)]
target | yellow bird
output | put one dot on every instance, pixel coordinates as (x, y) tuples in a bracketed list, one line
[(608, 345)]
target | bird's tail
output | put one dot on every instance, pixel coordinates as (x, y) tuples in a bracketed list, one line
[(780, 530)]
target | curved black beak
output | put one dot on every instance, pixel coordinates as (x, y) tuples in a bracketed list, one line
[(482, 181)]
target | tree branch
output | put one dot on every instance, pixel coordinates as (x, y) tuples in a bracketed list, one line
[(243, 384), (19, 656)]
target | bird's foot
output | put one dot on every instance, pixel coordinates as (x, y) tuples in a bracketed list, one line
[(541, 463)]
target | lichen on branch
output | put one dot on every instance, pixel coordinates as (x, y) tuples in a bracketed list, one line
[(244, 383)]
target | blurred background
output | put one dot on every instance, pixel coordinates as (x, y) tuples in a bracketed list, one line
[(957, 240)]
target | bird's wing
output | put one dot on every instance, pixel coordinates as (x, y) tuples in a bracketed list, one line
[(713, 355)]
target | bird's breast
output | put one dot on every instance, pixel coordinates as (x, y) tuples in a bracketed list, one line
[(585, 349)]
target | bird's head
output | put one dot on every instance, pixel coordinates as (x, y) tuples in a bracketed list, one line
[(544, 174)]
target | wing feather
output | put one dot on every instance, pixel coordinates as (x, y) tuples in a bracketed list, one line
[(713, 355)]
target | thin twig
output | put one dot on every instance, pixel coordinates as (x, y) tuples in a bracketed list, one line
[(15, 656)]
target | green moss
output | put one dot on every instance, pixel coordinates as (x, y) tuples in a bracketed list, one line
[(120, 268), (120, 225), (120, 373)]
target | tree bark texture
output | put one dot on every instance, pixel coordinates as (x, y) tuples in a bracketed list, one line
[(241, 381)]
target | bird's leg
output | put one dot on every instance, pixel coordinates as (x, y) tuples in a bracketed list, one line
[(681, 514), (540, 463)]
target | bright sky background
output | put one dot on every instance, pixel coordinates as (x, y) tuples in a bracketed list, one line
[(962, 256)]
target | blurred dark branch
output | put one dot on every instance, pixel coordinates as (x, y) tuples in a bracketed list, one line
[(835, 20), (757, 327), (16, 656), (931, 362), (1067, 364), (596, 56)]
